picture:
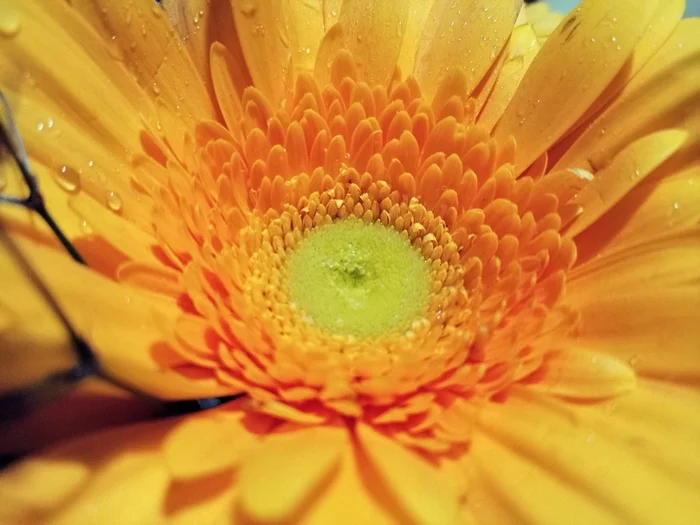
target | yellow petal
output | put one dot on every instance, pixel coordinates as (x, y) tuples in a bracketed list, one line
[(352, 497), (510, 488), (662, 95), (581, 374), (655, 331), (78, 134), (418, 11), (463, 35), (664, 21), (415, 484), (660, 420), (331, 13), (121, 325), (30, 349), (200, 23), (212, 441), (286, 470), (520, 52), (585, 57), (112, 477), (374, 31), (225, 75), (306, 29), (265, 43), (144, 41), (651, 211), (608, 479), (624, 172)]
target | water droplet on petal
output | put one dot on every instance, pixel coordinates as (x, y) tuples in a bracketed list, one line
[(114, 201), (10, 22), (248, 7), (85, 227), (68, 179), (3, 182)]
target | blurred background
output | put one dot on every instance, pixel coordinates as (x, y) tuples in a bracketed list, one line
[(692, 7)]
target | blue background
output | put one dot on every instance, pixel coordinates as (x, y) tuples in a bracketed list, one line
[(692, 7)]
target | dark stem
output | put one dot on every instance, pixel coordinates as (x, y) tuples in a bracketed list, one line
[(12, 142)]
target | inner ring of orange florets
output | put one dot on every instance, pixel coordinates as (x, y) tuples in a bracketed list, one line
[(391, 157)]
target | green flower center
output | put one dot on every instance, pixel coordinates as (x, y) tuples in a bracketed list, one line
[(358, 279)]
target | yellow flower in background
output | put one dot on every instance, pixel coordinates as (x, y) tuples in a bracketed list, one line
[(448, 251)]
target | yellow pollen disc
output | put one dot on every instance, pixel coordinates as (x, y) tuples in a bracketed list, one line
[(358, 279)]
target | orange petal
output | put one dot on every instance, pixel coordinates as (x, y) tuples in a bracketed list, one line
[(462, 35), (374, 31), (415, 484), (586, 57), (212, 441), (287, 469), (624, 172), (559, 455), (580, 374)]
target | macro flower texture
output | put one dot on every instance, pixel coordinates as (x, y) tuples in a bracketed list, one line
[(442, 256)]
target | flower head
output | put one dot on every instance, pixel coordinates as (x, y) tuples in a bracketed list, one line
[(412, 235)]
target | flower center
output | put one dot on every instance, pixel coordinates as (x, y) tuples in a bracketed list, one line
[(358, 279), (359, 246)]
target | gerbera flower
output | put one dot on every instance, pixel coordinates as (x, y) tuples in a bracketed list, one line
[(451, 262)]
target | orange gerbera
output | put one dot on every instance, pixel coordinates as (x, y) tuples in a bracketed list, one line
[(449, 259)]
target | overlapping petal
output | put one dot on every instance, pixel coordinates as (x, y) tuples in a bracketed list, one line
[(593, 153)]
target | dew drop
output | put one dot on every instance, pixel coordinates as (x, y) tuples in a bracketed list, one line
[(156, 89), (248, 7), (68, 179), (114, 201), (591, 438), (3, 182), (40, 126), (10, 23), (85, 227)]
